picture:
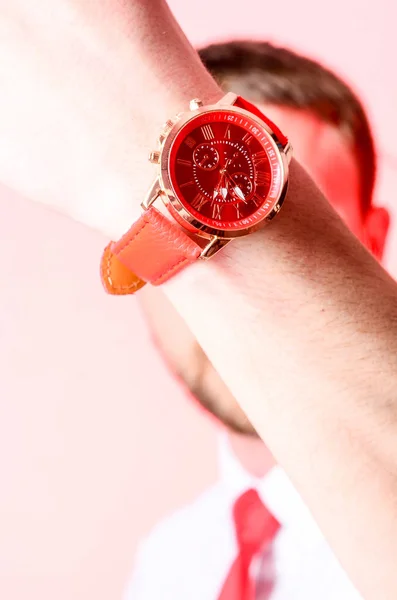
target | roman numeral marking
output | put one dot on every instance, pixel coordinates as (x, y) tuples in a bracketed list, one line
[(182, 185), (185, 163), (262, 178), (227, 132), (216, 212), (247, 138), (190, 141), (198, 201), (259, 157), (207, 132)]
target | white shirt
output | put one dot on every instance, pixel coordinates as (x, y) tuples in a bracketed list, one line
[(189, 554)]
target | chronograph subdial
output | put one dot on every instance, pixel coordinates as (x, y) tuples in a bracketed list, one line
[(240, 186), (206, 157)]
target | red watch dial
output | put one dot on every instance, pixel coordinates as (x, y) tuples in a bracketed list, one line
[(225, 170)]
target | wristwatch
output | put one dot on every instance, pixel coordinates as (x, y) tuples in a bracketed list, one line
[(222, 173)]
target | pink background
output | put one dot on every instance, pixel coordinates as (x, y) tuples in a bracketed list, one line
[(93, 448)]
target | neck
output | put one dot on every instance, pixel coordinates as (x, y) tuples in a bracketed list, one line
[(252, 453)]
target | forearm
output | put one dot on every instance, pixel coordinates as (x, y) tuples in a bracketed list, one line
[(317, 377), (299, 319)]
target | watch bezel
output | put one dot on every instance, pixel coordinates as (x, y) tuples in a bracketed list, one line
[(173, 203)]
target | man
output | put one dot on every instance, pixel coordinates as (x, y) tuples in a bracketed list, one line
[(191, 554)]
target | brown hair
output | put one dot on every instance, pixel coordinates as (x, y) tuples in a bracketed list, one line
[(264, 73)]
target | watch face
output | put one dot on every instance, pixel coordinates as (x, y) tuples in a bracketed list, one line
[(225, 171)]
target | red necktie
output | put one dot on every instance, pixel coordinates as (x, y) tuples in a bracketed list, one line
[(255, 528)]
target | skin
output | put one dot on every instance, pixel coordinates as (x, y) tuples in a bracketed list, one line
[(329, 158), (300, 320)]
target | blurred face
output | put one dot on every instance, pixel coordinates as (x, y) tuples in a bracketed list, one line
[(329, 158)]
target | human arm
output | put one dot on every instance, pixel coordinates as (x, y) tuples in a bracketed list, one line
[(299, 320)]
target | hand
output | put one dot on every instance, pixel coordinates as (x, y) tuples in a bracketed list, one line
[(236, 189), (224, 179), (220, 186)]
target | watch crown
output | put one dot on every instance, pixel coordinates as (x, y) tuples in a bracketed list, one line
[(166, 128), (195, 104), (154, 157)]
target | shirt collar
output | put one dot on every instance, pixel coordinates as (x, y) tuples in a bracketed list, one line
[(275, 489)]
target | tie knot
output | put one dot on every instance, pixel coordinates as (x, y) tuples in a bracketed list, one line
[(255, 525)]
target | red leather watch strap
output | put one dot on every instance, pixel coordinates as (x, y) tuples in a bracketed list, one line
[(155, 249), (242, 103)]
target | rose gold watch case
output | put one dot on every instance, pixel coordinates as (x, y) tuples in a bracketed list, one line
[(164, 189)]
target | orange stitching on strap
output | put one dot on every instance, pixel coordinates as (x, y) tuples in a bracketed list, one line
[(121, 289), (127, 243), (159, 279)]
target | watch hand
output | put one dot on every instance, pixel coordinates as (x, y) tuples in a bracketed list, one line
[(237, 190), (218, 187), (240, 194)]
